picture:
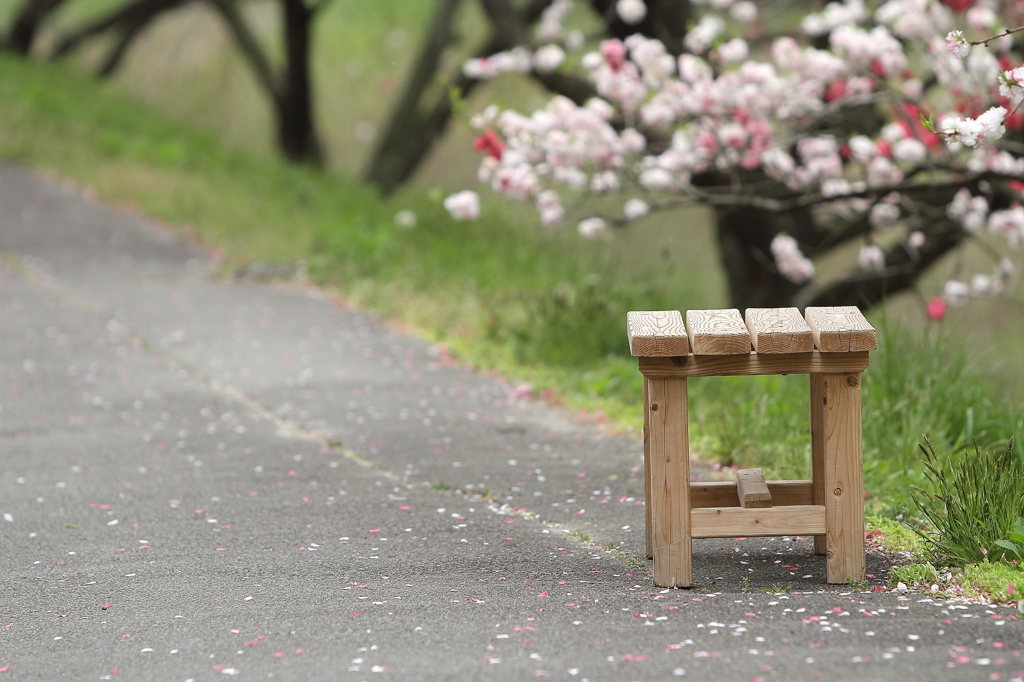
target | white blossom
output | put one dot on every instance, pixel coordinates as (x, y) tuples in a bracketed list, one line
[(464, 205), (955, 292), (871, 257), (592, 227), (957, 44), (548, 58), (792, 263), (631, 11), (635, 208)]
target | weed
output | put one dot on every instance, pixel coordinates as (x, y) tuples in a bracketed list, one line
[(745, 583), (440, 486), (581, 536), (896, 536), (1014, 546), (914, 574), (858, 585), (776, 588), (999, 581), (972, 506)]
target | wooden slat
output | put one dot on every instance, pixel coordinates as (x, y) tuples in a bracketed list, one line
[(723, 493), (730, 522), (840, 430), (656, 333), (778, 330), (717, 332), (753, 363), (670, 483), (751, 490), (840, 329)]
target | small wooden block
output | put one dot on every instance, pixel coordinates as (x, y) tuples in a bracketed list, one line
[(840, 329), (752, 489), (778, 330), (717, 332), (656, 333)]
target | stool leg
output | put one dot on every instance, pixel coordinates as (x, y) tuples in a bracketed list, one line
[(838, 440), (670, 482), (818, 450), (647, 470)]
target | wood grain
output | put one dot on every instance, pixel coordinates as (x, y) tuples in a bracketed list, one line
[(717, 332), (723, 493), (731, 522), (778, 330), (817, 401), (840, 329), (753, 364), (838, 440), (670, 483), (647, 470), (751, 490), (656, 333)]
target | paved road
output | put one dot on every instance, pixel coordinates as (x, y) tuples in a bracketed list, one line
[(201, 477)]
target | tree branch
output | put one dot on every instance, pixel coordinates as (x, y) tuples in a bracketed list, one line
[(132, 14), (249, 46)]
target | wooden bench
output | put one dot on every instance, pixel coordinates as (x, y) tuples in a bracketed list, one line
[(829, 344)]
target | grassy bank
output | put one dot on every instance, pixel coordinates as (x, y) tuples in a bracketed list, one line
[(540, 306)]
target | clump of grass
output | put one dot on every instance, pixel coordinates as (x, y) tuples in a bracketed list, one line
[(914, 574), (973, 505), (999, 581), (896, 536)]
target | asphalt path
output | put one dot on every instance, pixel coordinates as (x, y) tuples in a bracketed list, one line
[(203, 477)]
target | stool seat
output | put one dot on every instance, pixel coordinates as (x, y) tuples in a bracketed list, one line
[(831, 345)]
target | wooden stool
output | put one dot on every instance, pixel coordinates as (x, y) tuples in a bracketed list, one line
[(832, 347)]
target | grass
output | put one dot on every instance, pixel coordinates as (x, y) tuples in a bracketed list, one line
[(971, 504)]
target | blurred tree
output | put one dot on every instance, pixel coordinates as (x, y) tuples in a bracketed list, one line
[(423, 109), (26, 24), (289, 89)]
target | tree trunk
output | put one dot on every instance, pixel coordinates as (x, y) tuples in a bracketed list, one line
[(296, 132), (406, 139), (744, 242), (26, 24)]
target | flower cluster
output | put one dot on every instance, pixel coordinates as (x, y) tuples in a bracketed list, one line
[(660, 121)]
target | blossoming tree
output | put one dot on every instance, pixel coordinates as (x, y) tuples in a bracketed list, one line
[(893, 128)]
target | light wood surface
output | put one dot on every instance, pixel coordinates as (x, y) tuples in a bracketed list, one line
[(753, 363), (670, 482), (778, 330), (838, 442), (723, 493), (730, 522), (656, 333), (647, 471), (817, 402), (840, 329), (751, 489), (717, 332)]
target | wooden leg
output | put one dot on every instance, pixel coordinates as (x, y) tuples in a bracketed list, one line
[(818, 450), (838, 440), (670, 482), (647, 470)]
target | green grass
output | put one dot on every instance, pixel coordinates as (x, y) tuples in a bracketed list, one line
[(992, 580)]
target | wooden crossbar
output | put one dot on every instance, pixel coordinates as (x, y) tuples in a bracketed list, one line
[(731, 522)]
